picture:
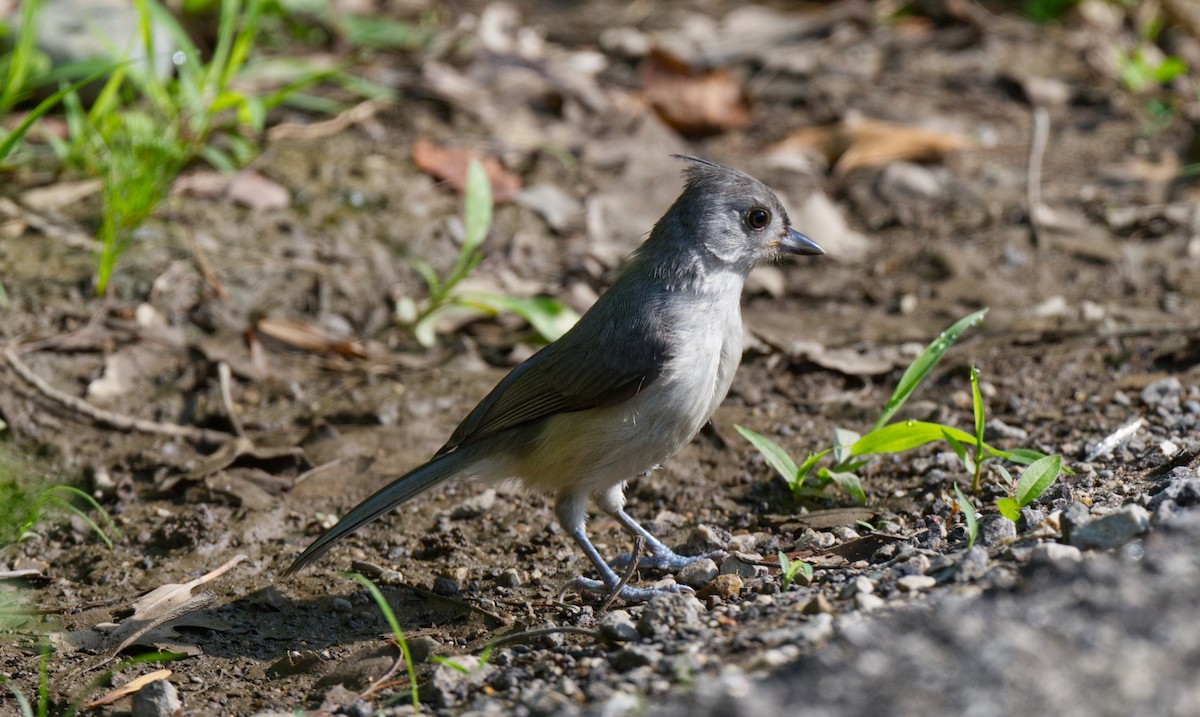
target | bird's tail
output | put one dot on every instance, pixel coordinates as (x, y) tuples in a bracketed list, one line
[(390, 496)]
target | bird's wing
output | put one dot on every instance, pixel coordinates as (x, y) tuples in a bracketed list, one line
[(584, 369)]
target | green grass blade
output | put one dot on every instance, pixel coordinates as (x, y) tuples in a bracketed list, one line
[(21, 57), (968, 511), (959, 450), (772, 453), (10, 140), (977, 408), (848, 482), (1036, 478), (398, 633), (924, 363), (477, 207)]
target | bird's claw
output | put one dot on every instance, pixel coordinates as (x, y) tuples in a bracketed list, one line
[(669, 560), (628, 593)]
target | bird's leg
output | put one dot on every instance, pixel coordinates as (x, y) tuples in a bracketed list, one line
[(661, 557), (570, 510)]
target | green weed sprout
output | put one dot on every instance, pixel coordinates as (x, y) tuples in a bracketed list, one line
[(397, 633), (968, 511), (851, 451), (1034, 481), (549, 317), (790, 567)]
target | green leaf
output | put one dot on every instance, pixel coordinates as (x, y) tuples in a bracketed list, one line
[(848, 482), (1006, 475), (549, 317), (1009, 508), (477, 207), (924, 363), (959, 450), (1170, 68), (809, 461), (904, 436), (1037, 478), (968, 511), (843, 439), (772, 453)]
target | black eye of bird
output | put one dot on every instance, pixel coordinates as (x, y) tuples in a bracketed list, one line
[(758, 218)]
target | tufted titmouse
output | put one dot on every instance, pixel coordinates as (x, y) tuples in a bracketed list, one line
[(635, 379)]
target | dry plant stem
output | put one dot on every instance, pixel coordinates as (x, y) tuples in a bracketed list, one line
[(118, 421), (639, 544), (384, 679), (1037, 151), (73, 238), (224, 376), (543, 631)]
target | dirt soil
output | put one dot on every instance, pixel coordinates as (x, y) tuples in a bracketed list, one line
[(1094, 322)]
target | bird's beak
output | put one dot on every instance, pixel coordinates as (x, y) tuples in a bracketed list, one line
[(793, 242)]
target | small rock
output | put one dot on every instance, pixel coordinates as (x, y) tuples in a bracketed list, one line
[(445, 585), (973, 565), (340, 604), (915, 583), (633, 656), (668, 613), (448, 686), (1112, 530), (1161, 390), (475, 506), (744, 543), (858, 586), (775, 658), (1004, 430), (509, 578), (698, 574), (996, 530), (1054, 553), (744, 565), (907, 181), (618, 625), (422, 648), (706, 538), (818, 605), (157, 699), (868, 602), (814, 540), (723, 586)]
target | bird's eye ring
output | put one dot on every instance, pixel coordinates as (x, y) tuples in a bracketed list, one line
[(758, 218)]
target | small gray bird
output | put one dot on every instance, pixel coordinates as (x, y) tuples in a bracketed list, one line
[(635, 379)]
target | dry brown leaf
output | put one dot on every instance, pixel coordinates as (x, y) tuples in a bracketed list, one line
[(693, 101), (203, 183), (61, 194), (310, 337), (450, 166), (855, 143), (253, 190), (127, 689)]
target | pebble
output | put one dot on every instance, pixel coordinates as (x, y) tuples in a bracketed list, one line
[(1112, 530), (1054, 553), (868, 601), (509, 578), (815, 540), (1160, 390), (668, 612), (618, 625), (157, 699), (744, 565), (422, 648), (723, 586), (698, 574), (915, 583), (448, 686), (817, 605), (633, 656), (340, 604), (996, 530), (973, 565), (706, 538)]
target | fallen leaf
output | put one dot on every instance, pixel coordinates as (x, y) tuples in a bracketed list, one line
[(127, 689), (450, 166), (253, 190), (310, 337), (204, 183), (863, 142), (693, 101), (59, 195)]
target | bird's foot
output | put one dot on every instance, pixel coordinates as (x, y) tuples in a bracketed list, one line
[(628, 593), (666, 559)]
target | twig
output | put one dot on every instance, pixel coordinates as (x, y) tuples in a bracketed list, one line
[(1033, 182), (319, 469), (223, 376), (639, 544), (118, 421)]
